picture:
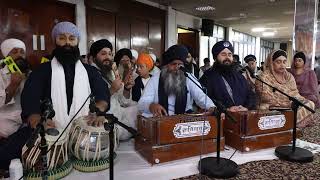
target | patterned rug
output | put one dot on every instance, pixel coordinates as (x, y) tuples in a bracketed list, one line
[(278, 169)]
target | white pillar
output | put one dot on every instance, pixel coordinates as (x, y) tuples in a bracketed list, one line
[(171, 28)]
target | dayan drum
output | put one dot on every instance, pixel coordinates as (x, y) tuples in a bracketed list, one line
[(57, 158), (175, 137), (90, 146), (256, 130)]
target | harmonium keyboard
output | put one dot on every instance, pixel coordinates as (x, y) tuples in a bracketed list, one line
[(175, 137), (254, 130)]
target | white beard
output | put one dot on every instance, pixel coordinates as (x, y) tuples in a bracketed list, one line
[(174, 82)]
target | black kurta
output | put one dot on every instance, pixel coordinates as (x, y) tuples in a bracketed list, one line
[(38, 87)]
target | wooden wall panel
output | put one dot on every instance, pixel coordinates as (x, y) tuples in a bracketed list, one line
[(100, 25), (123, 33), (139, 34), (136, 26), (22, 20), (155, 37)]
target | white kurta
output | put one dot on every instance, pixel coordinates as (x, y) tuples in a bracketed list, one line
[(10, 119), (124, 109), (150, 95)]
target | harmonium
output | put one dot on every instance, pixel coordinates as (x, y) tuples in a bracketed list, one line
[(175, 137), (254, 130)]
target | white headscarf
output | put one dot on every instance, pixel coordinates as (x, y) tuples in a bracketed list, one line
[(9, 44), (134, 53), (154, 57)]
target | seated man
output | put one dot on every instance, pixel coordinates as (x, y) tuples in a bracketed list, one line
[(64, 80), (170, 92), (123, 59), (277, 75), (13, 133), (224, 83), (191, 65), (121, 104), (250, 70)]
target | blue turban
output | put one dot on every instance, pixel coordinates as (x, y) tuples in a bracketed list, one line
[(220, 46), (65, 27)]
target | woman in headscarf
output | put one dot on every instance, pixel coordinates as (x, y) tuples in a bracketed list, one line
[(306, 79), (276, 75)]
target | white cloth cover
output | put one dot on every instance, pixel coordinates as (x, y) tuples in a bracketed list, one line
[(81, 90)]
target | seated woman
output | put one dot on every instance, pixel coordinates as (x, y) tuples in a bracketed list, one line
[(306, 79), (275, 74)]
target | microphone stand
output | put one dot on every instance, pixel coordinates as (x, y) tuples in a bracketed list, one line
[(216, 166), (47, 112), (292, 153), (51, 115), (109, 126)]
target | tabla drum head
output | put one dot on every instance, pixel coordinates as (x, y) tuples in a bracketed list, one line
[(52, 132)]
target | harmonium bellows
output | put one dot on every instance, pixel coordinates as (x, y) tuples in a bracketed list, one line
[(175, 137), (256, 130)]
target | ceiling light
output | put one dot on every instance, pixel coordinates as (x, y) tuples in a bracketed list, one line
[(205, 8), (268, 33), (258, 29)]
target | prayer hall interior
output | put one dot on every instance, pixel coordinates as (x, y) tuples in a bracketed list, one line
[(159, 89)]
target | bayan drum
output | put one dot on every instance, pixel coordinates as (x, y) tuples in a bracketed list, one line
[(57, 159), (90, 146)]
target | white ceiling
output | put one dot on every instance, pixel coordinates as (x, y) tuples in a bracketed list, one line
[(243, 15)]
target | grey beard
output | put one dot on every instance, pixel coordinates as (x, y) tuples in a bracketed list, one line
[(174, 82)]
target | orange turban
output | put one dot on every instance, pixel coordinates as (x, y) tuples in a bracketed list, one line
[(146, 59)]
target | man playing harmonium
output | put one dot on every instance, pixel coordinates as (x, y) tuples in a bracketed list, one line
[(224, 83), (170, 92)]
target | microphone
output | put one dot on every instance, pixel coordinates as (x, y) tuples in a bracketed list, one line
[(47, 112), (46, 109), (183, 69), (92, 105)]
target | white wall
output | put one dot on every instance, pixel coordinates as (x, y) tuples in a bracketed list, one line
[(80, 15)]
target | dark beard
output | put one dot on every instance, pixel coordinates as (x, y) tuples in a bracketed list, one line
[(174, 82), (224, 68), (250, 71), (105, 70), (66, 54)]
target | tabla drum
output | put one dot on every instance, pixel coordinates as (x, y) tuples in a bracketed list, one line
[(90, 146), (58, 162)]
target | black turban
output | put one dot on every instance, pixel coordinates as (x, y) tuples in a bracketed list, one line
[(122, 52), (249, 58), (175, 52), (98, 45), (300, 55)]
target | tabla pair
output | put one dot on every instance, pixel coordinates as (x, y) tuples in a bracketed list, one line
[(88, 146)]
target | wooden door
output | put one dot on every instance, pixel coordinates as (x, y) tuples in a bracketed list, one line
[(32, 23)]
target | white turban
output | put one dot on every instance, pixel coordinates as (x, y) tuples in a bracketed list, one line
[(134, 53), (154, 57), (9, 44)]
